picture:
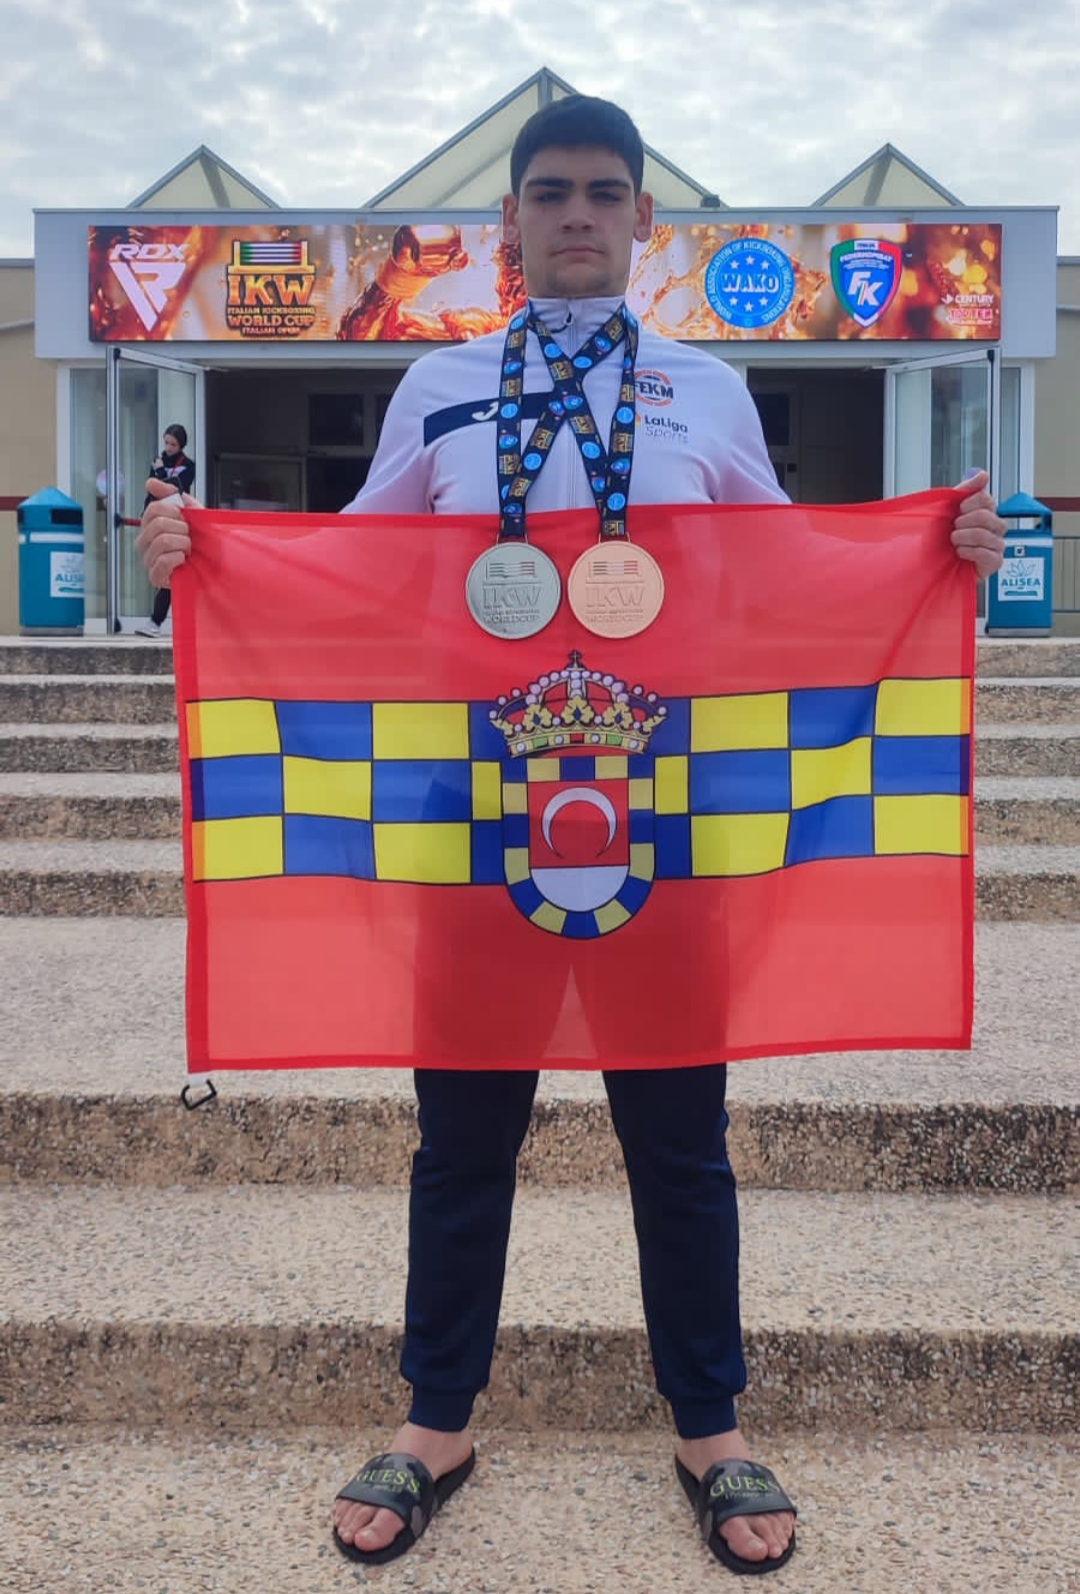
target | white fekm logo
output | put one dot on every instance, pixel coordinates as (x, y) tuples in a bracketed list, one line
[(147, 273)]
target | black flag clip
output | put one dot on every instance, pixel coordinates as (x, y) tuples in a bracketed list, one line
[(207, 1093)]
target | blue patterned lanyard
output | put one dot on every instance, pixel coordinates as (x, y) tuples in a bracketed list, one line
[(608, 472)]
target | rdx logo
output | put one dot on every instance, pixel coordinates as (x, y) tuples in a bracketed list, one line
[(147, 252), (148, 273)]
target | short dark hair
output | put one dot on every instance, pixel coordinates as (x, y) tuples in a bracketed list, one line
[(575, 122), (178, 432)]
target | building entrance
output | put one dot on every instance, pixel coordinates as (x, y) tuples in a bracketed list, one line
[(288, 438), (824, 431)]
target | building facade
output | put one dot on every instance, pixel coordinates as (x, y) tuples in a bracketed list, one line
[(891, 337)]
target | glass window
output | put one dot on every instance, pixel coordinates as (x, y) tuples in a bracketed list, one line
[(958, 421), (335, 420), (775, 412)]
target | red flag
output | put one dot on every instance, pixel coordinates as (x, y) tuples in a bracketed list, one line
[(745, 831)]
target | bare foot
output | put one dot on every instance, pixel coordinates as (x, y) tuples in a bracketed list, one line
[(754, 1538), (372, 1529)]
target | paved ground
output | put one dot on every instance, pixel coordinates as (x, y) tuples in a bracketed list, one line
[(100, 1510)]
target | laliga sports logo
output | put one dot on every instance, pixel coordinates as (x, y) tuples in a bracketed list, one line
[(866, 274), (148, 273), (579, 854)]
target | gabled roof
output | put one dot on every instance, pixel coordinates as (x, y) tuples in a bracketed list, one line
[(888, 179), (203, 181), (471, 171)]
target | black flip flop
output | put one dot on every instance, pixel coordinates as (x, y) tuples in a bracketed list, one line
[(400, 1483), (735, 1489)]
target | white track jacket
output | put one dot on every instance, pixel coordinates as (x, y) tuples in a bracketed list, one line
[(698, 437)]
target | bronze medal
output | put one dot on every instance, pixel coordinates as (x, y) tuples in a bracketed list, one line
[(616, 589)]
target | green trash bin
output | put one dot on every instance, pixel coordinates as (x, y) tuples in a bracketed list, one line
[(52, 577)]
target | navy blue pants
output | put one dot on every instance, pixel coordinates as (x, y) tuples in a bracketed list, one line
[(671, 1124)]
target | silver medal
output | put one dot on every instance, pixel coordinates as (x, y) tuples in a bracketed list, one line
[(513, 590)]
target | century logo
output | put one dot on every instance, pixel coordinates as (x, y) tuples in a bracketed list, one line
[(147, 273), (654, 387)]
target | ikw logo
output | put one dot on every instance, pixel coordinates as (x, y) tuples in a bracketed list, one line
[(148, 273)]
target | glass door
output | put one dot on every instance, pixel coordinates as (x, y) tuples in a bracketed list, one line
[(942, 421), (144, 393)]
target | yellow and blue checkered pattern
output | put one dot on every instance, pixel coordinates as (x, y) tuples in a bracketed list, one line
[(731, 785)]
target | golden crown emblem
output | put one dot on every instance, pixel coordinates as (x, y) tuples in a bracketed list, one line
[(575, 709)]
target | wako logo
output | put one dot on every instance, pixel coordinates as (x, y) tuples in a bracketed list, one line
[(654, 387), (866, 274), (147, 273), (750, 283)]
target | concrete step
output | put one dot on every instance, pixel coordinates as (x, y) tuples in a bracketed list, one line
[(102, 806), (1014, 751), (150, 699), (1028, 882), (92, 1061), (1038, 656), (132, 655), (1001, 700), (86, 749), (91, 877), (791, 1145), (1022, 809), (92, 699), (1029, 751), (911, 1516), (144, 878), (281, 1305), (947, 1513)]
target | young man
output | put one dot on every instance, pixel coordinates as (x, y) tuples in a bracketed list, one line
[(172, 473), (576, 208)]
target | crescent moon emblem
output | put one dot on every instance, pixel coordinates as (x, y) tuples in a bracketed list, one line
[(580, 794)]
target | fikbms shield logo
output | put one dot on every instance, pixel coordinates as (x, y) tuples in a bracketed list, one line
[(866, 275), (148, 273)]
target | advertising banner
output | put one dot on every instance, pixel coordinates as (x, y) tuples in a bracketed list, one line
[(443, 281)]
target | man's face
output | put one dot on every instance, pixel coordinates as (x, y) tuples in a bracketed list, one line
[(576, 218)]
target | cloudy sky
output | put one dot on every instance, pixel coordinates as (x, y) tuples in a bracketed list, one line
[(321, 103)]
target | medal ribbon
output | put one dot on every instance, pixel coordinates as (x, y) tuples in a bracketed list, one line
[(608, 472)]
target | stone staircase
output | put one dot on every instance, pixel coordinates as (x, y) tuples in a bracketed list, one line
[(200, 1312)]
